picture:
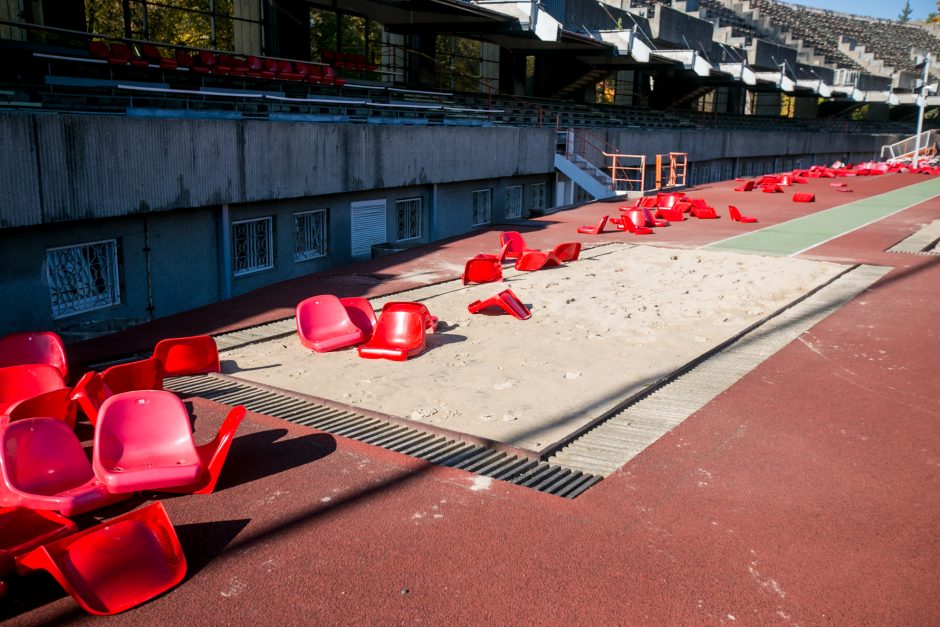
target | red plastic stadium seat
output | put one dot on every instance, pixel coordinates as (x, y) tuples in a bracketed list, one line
[(187, 355), (256, 68), (150, 52), (330, 77), (44, 466), (596, 229), (430, 322), (702, 210), (567, 251), (116, 565), (323, 324), (804, 197), (143, 441), (532, 260), (56, 404), (39, 347), (675, 214), (286, 71), (399, 334), (22, 530), (89, 393), (361, 314), (516, 243), (737, 217), (18, 383), (99, 50), (236, 66), (144, 374), (748, 186), (484, 269), (505, 300)]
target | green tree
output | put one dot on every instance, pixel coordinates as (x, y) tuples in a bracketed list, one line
[(905, 16), (935, 16)]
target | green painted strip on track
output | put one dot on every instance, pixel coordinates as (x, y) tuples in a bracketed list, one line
[(800, 234)]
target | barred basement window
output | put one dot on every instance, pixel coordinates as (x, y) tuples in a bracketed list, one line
[(409, 216), (482, 207), (310, 234), (252, 245), (537, 197), (514, 202), (83, 277)]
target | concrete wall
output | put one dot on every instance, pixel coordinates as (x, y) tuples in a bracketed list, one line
[(681, 30), (81, 167), (764, 54)]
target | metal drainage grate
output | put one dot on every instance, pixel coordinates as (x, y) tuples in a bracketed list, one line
[(920, 242), (436, 449)]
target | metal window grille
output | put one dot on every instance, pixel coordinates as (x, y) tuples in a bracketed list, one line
[(310, 234), (252, 245), (83, 277), (409, 216), (537, 196), (514, 202), (482, 206)]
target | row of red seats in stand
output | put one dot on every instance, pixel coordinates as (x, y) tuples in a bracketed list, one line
[(349, 61), (206, 62), (143, 441)]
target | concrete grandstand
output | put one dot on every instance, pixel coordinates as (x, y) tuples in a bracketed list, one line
[(180, 168)]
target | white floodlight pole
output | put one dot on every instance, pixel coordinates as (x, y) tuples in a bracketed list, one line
[(921, 105)]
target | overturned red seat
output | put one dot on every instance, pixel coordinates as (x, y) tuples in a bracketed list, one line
[(430, 322), (516, 243), (702, 210), (179, 356), (650, 220), (399, 334), (505, 300), (629, 222), (116, 565), (676, 213), (323, 324), (532, 260), (596, 229), (34, 347), (771, 189), (567, 251), (482, 269), (748, 186), (803, 197), (737, 217)]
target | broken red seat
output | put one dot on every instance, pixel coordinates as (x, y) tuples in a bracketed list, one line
[(505, 300), (803, 197), (596, 229)]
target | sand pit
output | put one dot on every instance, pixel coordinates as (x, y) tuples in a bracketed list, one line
[(602, 328)]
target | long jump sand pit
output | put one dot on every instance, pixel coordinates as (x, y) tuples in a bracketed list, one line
[(602, 328)]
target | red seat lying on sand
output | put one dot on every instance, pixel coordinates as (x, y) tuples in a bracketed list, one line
[(531, 260), (430, 322), (748, 186), (116, 565), (34, 347), (804, 197), (505, 300), (596, 229), (323, 324), (482, 269), (399, 334), (737, 217)]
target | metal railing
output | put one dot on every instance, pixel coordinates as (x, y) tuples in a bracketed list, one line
[(906, 148), (627, 172)]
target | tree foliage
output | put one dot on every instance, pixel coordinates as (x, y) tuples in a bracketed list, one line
[(905, 16)]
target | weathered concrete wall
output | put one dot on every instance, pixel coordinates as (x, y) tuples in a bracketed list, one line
[(764, 54), (81, 167), (708, 145)]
